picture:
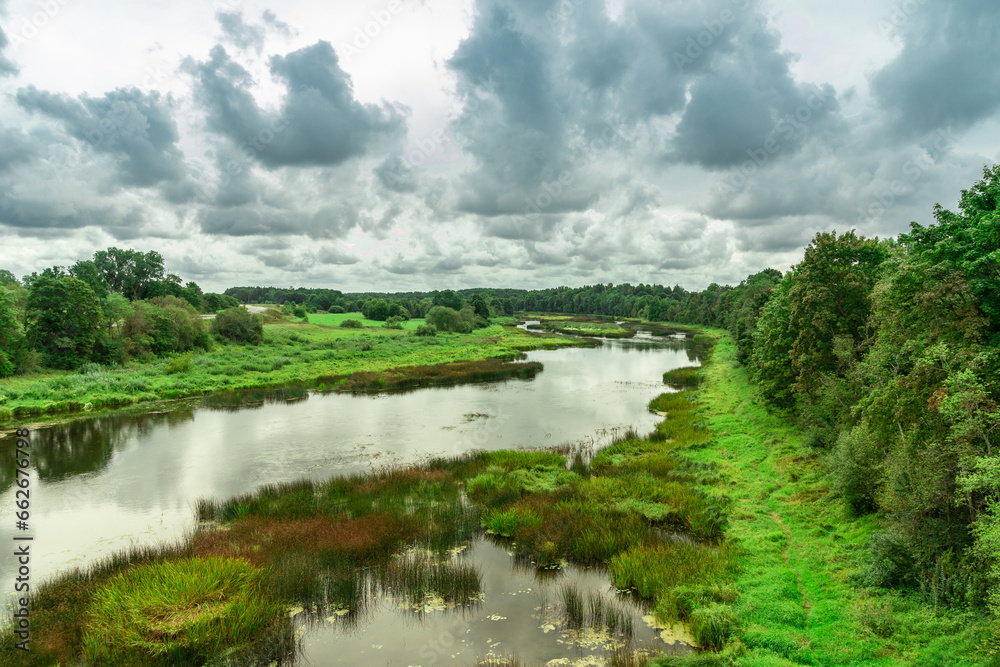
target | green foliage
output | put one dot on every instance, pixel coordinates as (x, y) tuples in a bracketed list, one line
[(11, 333), (129, 272), (63, 315), (772, 346), (449, 299), (178, 612), (426, 330), (351, 324), (448, 319), (179, 364), (238, 325)]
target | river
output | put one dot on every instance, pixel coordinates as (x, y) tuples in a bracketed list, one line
[(104, 483)]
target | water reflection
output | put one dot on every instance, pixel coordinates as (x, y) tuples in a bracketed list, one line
[(104, 483), (522, 611)]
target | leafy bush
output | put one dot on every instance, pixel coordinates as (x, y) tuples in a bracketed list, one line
[(351, 324), (449, 319), (239, 326), (426, 330), (394, 322), (179, 364)]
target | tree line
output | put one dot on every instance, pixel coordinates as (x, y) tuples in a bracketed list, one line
[(119, 305)]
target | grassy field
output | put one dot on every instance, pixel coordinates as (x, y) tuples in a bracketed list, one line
[(582, 325), (800, 598), (293, 353)]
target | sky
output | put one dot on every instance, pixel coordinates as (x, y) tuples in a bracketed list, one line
[(398, 145)]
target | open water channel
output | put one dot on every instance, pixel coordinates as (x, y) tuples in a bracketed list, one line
[(102, 484)]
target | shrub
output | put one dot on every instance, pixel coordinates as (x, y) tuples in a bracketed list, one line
[(239, 326), (426, 330), (351, 324), (179, 364), (394, 322)]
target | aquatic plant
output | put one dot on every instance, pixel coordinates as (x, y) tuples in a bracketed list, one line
[(185, 611)]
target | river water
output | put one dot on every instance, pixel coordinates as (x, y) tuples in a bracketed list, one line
[(105, 483)]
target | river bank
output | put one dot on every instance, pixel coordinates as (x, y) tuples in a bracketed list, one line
[(802, 599), (298, 354)]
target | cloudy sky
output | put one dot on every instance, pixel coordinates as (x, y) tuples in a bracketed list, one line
[(411, 144)]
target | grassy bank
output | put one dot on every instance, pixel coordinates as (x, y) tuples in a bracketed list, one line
[(292, 354), (801, 600)]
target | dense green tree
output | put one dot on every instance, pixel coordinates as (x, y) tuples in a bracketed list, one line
[(88, 272), (773, 338), (239, 326), (480, 305), (375, 309), (11, 333), (449, 299), (130, 272), (7, 278), (830, 298), (63, 315)]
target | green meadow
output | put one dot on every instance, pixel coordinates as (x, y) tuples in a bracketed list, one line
[(317, 353)]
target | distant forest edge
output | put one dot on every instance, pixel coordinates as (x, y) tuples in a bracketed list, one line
[(886, 351)]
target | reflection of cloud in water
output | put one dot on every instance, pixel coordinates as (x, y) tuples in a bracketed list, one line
[(117, 476)]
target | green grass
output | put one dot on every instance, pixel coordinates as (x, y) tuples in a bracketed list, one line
[(334, 320), (178, 612), (800, 600), (293, 354), (682, 378)]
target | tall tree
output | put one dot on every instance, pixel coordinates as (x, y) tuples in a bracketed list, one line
[(129, 272), (11, 333), (63, 315)]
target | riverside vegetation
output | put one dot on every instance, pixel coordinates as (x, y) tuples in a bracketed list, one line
[(723, 518), (318, 353)]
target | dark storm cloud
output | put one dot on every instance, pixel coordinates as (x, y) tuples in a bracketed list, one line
[(135, 128), (555, 92), (263, 218), (320, 123), (16, 148), (396, 175), (946, 74)]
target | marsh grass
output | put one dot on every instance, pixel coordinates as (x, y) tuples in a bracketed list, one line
[(415, 578), (594, 611), (184, 611), (682, 378)]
